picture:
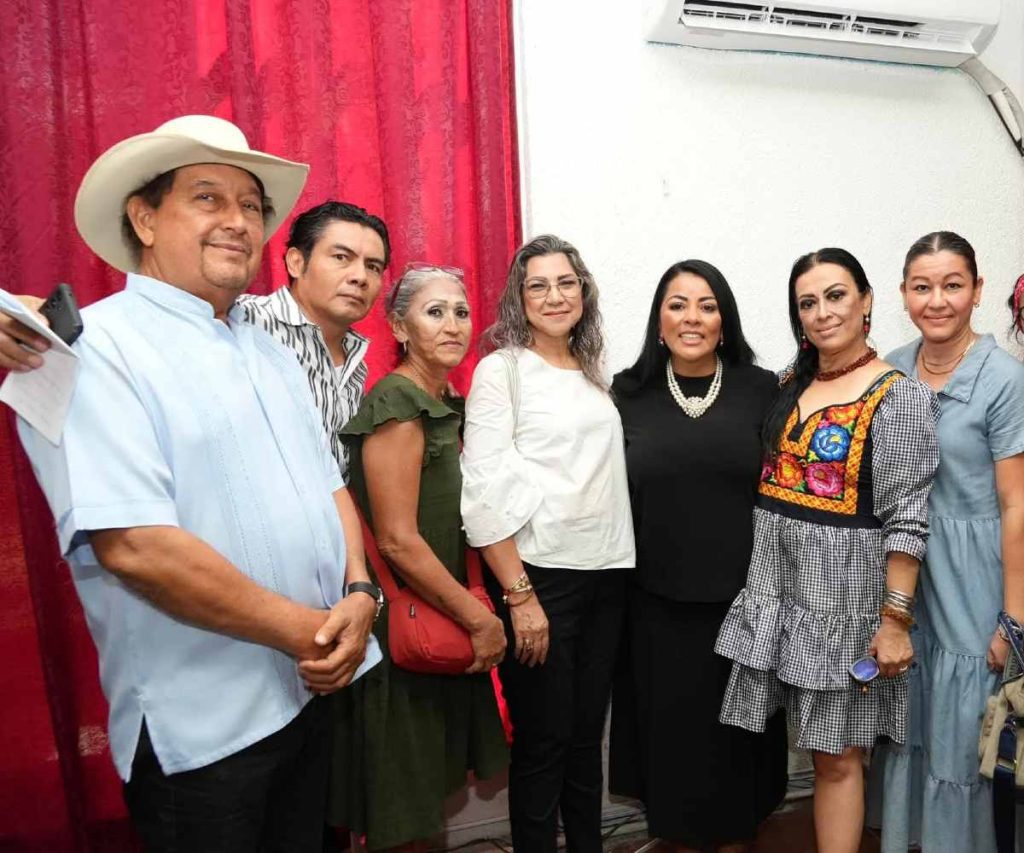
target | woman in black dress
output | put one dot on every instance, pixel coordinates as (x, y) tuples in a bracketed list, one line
[(692, 408)]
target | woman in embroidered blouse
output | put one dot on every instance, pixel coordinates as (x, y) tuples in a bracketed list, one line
[(839, 528), (933, 795), (544, 495), (406, 740)]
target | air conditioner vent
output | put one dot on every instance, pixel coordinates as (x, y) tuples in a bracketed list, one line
[(927, 32)]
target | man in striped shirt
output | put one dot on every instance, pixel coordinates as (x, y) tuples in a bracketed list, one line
[(336, 256)]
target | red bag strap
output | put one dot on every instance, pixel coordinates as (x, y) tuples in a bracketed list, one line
[(386, 579), (474, 574), (380, 568)]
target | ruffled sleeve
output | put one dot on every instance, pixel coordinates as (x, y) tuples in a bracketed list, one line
[(905, 454), (395, 398), (499, 496)]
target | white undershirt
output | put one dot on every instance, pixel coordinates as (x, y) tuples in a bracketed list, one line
[(559, 485)]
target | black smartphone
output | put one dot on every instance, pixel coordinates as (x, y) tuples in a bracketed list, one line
[(61, 311)]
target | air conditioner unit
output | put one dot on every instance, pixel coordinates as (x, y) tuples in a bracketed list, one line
[(919, 32)]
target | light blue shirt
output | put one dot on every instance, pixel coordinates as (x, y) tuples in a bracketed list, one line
[(179, 419)]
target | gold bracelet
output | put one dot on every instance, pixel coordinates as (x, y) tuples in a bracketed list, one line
[(521, 585), (899, 614), (529, 594)]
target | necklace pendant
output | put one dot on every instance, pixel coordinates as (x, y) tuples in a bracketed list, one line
[(694, 407)]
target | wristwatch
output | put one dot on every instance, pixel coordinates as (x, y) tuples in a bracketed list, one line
[(372, 590)]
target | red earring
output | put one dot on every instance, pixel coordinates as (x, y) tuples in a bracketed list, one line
[(803, 341), (867, 323)]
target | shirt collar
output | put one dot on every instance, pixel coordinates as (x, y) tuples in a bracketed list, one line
[(284, 307), (961, 384), (168, 295)]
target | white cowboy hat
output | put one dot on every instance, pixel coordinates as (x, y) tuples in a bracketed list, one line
[(184, 141)]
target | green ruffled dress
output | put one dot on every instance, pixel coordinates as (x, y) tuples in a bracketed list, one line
[(404, 741)]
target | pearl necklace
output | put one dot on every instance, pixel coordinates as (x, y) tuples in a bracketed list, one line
[(694, 406)]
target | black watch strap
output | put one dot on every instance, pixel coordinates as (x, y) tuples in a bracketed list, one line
[(371, 590)]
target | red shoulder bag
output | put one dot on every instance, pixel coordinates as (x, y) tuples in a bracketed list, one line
[(420, 637)]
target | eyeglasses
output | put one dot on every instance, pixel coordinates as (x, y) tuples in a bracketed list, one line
[(864, 670), (539, 288), (423, 266)]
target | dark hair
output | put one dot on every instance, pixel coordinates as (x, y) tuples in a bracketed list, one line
[(801, 372), (512, 329), (650, 364), (309, 226), (153, 192), (942, 241)]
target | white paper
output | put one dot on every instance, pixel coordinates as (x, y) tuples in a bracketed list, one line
[(41, 396)]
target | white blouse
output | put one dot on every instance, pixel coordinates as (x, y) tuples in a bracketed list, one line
[(559, 484)]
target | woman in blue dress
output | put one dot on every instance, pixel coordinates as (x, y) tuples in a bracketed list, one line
[(931, 792)]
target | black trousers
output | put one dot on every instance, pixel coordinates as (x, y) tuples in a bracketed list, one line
[(558, 709), (270, 796)]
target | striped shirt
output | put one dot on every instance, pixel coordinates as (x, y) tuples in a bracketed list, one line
[(338, 391)]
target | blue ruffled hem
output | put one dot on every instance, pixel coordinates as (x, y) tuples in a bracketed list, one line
[(929, 793), (913, 808)]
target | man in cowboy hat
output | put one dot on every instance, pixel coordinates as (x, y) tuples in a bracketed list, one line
[(336, 256), (199, 506)]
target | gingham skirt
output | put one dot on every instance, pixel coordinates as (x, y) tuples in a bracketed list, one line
[(809, 610)]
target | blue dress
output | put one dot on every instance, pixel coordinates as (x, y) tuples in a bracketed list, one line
[(929, 792)]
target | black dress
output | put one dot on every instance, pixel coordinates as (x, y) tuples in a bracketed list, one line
[(692, 486)]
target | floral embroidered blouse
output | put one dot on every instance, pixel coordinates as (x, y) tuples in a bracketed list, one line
[(823, 472)]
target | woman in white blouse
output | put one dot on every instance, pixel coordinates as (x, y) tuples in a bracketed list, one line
[(544, 496)]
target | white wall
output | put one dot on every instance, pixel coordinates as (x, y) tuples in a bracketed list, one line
[(1005, 55), (644, 154)]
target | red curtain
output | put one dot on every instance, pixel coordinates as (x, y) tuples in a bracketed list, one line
[(404, 107)]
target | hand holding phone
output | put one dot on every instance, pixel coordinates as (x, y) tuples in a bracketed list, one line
[(61, 311)]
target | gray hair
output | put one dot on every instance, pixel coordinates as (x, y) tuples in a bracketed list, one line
[(512, 329), (411, 282)]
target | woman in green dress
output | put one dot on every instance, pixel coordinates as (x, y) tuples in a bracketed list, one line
[(404, 741)]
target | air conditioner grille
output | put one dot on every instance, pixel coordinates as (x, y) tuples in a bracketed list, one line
[(789, 20)]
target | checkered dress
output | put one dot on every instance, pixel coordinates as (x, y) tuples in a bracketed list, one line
[(849, 486)]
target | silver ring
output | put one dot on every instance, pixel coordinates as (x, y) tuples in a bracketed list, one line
[(903, 669)]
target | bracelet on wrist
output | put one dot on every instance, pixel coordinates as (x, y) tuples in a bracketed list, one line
[(522, 584), (506, 598), (898, 614), (899, 600), (529, 595)]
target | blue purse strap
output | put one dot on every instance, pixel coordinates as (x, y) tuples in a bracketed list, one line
[(1004, 777)]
